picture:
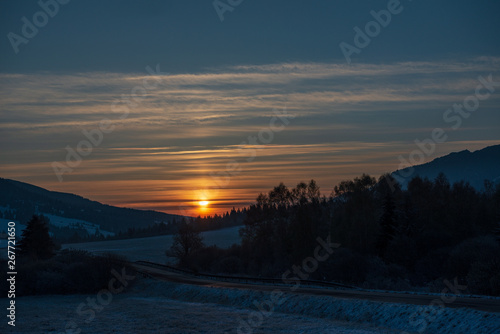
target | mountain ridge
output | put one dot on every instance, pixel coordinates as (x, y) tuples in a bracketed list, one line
[(473, 167), (21, 200)]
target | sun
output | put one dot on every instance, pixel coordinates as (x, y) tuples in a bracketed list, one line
[(203, 203)]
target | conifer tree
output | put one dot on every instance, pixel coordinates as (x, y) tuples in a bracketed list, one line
[(36, 243)]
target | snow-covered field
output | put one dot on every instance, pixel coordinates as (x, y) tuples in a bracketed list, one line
[(161, 307), (91, 228), (153, 248)]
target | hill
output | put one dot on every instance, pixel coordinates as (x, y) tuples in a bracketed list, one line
[(473, 167), (19, 201)]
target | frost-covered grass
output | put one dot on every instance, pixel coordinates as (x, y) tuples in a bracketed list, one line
[(153, 248), (161, 307), (143, 311), (400, 317)]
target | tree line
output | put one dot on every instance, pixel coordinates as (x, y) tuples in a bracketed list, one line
[(391, 238)]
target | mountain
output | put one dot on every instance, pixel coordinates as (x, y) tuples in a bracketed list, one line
[(19, 201), (473, 167)]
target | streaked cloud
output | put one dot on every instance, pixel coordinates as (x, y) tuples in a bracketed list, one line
[(348, 120)]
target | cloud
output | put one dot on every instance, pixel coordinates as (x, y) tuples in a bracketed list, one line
[(348, 120)]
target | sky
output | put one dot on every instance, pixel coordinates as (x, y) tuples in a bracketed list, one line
[(163, 104)]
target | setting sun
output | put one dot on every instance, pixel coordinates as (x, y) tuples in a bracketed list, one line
[(203, 203)]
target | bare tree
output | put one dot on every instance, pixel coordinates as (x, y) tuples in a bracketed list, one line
[(186, 241)]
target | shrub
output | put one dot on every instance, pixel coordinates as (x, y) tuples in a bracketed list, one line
[(484, 277), (229, 265), (68, 272), (345, 266), (430, 267), (381, 275), (470, 251), (402, 251)]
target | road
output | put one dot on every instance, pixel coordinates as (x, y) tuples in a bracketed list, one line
[(481, 304)]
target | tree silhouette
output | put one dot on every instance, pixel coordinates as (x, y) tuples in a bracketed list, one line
[(36, 243), (280, 195), (387, 224), (186, 240)]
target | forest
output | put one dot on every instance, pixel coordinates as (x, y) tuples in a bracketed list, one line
[(390, 238)]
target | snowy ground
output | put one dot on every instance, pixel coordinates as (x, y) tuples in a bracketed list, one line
[(161, 307), (153, 248), (91, 228)]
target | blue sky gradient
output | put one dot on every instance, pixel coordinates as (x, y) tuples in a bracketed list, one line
[(187, 36)]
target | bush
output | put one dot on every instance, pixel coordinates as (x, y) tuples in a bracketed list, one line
[(215, 260), (67, 273), (229, 265), (430, 267), (470, 251), (345, 266), (484, 277), (385, 276), (202, 260), (402, 251)]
